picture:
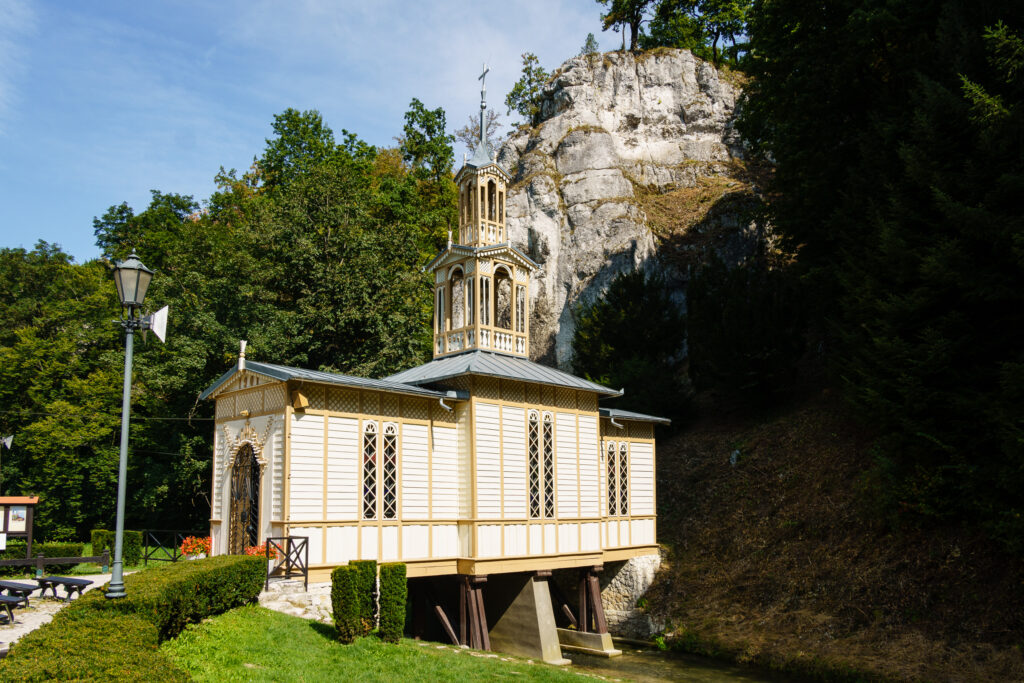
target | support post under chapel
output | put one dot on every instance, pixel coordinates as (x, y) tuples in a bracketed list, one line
[(472, 617)]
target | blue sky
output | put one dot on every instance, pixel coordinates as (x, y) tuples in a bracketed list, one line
[(100, 102)]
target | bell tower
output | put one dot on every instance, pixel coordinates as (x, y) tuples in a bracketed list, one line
[(482, 283)]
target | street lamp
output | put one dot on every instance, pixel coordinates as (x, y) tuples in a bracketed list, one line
[(132, 279)]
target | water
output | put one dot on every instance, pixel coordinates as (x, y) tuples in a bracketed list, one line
[(650, 665)]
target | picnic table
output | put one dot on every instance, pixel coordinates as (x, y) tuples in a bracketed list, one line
[(17, 589), (8, 603), (71, 585)]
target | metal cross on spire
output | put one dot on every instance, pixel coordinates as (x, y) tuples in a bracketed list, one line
[(483, 104)]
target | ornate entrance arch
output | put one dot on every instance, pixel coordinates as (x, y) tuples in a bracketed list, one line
[(244, 525)]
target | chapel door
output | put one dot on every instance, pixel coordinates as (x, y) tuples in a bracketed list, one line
[(245, 502)]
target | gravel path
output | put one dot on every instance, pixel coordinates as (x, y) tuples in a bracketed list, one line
[(39, 612)]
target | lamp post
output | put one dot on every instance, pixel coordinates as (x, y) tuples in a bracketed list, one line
[(132, 279)]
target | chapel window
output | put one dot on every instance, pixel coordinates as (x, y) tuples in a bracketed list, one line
[(502, 299), (612, 467), (458, 299), (470, 301), (623, 479), (369, 470), (549, 466), (520, 308), (485, 301), (389, 476), (492, 201), (439, 311), (483, 201), (536, 466)]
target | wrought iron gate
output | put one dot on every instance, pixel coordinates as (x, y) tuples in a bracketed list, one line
[(245, 501)]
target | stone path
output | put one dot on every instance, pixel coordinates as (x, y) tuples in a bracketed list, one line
[(39, 612), (289, 596)]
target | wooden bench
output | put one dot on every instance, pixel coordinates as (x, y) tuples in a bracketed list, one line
[(17, 589), (8, 604), (71, 586)]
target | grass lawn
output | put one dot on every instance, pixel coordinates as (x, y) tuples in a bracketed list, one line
[(256, 644)]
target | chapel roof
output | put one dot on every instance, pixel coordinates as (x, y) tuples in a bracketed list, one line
[(284, 373), (617, 414), (496, 365), (503, 249)]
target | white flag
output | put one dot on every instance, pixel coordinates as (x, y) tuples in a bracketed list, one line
[(6, 441)]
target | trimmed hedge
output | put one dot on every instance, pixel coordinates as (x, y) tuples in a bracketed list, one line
[(16, 551), (131, 549), (345, 602), (112, 647), (366, 589), (393, 592), (96, 638)]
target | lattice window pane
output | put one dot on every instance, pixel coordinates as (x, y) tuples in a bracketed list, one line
[(389, 478), (370, 471), (549, 467), (623, 479), (613, 481), (534, 436)]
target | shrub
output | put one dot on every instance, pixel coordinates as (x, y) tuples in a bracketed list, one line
[(95, 638), (366, 589), (181, 593), (393, 591), (58, 549), (131, 549), (121, 647), (345, 602), (15, 551)]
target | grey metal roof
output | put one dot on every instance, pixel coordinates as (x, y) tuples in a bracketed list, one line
[(481, 155), (628, 415), (496, 365), (284, 373)]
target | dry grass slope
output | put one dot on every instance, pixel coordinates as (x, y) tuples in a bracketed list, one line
[(780, 560)]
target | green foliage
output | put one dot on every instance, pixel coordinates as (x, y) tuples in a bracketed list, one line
[(746, 330), (469, 135), (590, 46), (896, 130), (366, 589), (426, 147), (699, 25), (101, 647), (177, 594), (58, 549), (95, 638), (131, 549), (346, 602), (393, 592), (632, 338), (623, 13), (525, 96)]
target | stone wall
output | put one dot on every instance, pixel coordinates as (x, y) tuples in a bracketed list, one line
[(623, 585)]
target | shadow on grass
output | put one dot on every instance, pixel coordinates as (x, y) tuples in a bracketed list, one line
[(325, 630)]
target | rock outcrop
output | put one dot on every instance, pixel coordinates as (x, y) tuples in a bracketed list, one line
[(616, 130)]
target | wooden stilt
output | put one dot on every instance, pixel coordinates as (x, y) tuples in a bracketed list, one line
[(563, 603), (431, 598), (600, 624), (463, 610), (584, 599), (485, 638)]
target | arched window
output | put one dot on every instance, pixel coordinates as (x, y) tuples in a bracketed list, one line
[(549, 465), (439, 311), (470, 300), (485, 300), (492, 201), (369, 470), (502, 299), (483, 201), (623, 479), (458, 299), (535, 464), (389, 475), (613, 479), (520, 308), (501, 207)]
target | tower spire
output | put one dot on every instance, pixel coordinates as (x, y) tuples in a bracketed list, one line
[(483, 104)]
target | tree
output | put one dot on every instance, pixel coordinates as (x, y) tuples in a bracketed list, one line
[(525, 96), (632, 337), (699, 25), (897, 131), (624, 13), (590, 46), (469, 135), (426, 147)]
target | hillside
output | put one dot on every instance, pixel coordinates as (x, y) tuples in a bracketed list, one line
[(777, 556)]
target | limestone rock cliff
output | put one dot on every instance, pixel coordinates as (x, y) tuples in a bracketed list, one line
[(623, 139)]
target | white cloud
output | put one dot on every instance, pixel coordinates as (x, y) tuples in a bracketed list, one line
[(17, 22)]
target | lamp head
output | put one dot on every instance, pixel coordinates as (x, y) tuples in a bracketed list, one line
[(132, 279)]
